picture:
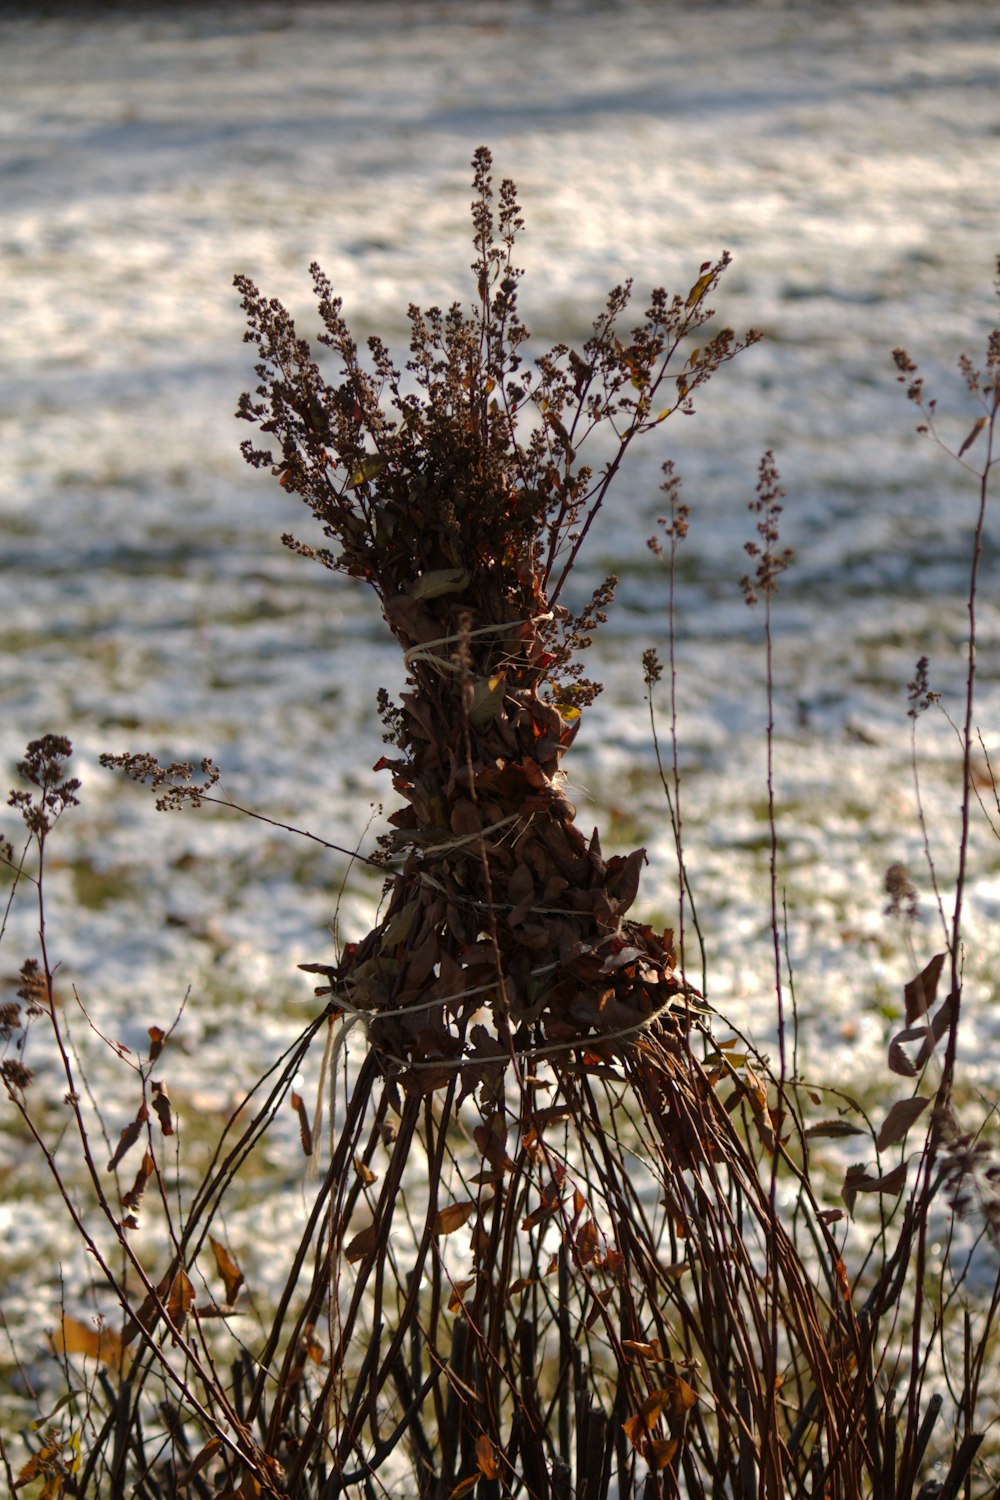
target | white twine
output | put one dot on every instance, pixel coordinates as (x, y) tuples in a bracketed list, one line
[(336, 1039), (406, 1065), (425, 651), (357, 1013), (467, 838), (350, 1015)]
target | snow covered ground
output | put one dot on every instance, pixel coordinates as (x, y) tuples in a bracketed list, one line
[(848, 155)]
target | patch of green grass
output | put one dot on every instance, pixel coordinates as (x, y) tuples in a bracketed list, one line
[(96, 888)]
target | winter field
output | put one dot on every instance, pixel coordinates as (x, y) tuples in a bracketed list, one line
[(847, 155)]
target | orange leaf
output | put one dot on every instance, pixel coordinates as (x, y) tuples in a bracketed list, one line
[(39, 1463), (457, 1292), (647, 1351), (486, 1457), (447, 1220), (682, 1399), (654, 1405), (662, 1451), (157, 1037), (74, 1337), (311, 1347), (614, 1264), (180, 1299), (464, 1486), (635, 1430), (227, 1268)]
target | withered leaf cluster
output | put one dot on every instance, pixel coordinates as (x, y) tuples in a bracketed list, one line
[(455, 488)]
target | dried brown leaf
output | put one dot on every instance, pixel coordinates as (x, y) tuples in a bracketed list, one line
[(465, 820), (639, 1426), (646, 1351), (521, 1284), (857, 1180), (100, 1343), (180, 1299), (458, 1291), (199, 1462), (42, 1462), (464, 1486), (899, 1060), (225, 1264), (941, 1022), (620, 960), (833, 1129), (128, 1137), (132, 1199), (362, 1244), (662, 1451), (441, 581), (447, 1220), (586, 1242), (305, 1130), (600, 1302), (897, 1122), (537, 1215), (977, 428), (919, 994), (486, 1457), (682, 1398), (161, 1108), (491, 1139)]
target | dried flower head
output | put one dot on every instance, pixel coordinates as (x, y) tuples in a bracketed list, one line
[(902, 894), (470, 488), (175, 782), (766, 506), (652, 667), (44, 766), (919, 692), (15, 1075), (10, 1021)]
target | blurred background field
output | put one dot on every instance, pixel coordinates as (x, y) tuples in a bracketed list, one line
[(846, 154)]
